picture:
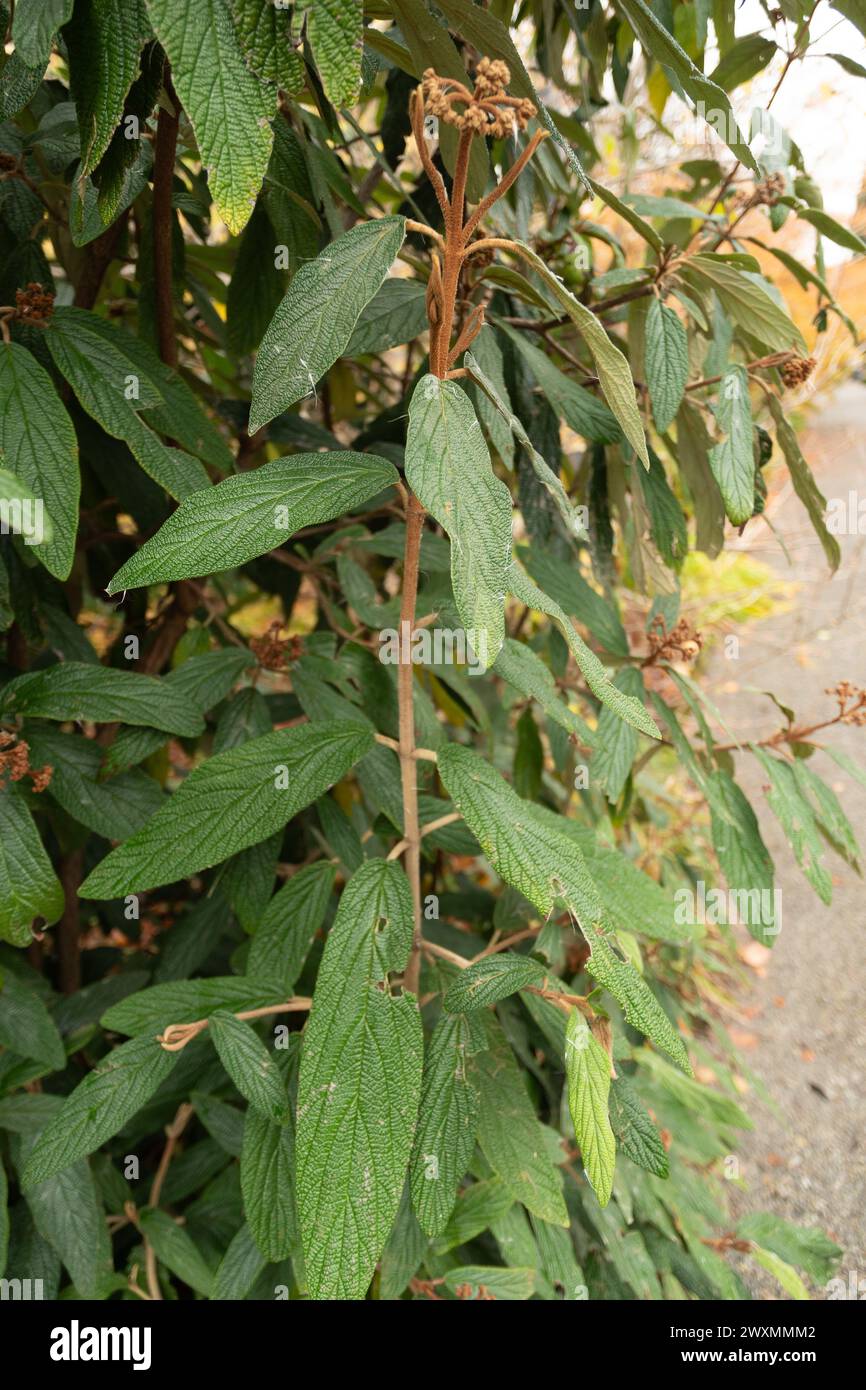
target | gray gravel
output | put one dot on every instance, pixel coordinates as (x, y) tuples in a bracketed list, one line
[(808, 1162)]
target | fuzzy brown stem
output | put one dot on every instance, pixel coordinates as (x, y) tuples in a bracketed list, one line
[(408, 762)]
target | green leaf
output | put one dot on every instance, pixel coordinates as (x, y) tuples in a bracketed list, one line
[(264, 32), (522, 668), (833, 230), (803, 482), (396, 314), (474, 1282), (612, 368), (748, 304), (239, 1268), (104, 41), (487, 981), (250, 1065), (692, 455), (317, 317), (447, 1124), (805, 1246), (289, 924), (829, 814), (510, 1135), (578, 407), (479, 1206), (39, 445), (180, 1001), (855, 69), (486, 366), (256, 286), (175, 1248), (68, 1214), (100, 1106), (86, 690), (335, 31), (229, 109), (233, 800), (625, 706), (797, 819), (448, 467), (685, 78), (268, 1183), (26, 1026), (636, 1134), (733, 460), (639, 1004), (746, 57), (615, 742), (101, 376), (114, 808), (34, 25), (786, 1275), (29, 888), (742, 855), (667, 362), (587, 1071), (21, 513), (251, 513), (360, 1085)]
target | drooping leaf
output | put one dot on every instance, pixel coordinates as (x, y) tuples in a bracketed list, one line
[(448, 467), (39, 446), (636, 1134), (29, 887), (615, 742), (587, 1070), (228, 108), (667, 362), (231, 801), (268, 1183), (522, 668), (509, 1132), (263, 30), (175, 1248), (804, 483), (249, 1064), (359, 1087), (743, 856), (114, 808), (26, 1026), (316, 319), (104, 41), (250, 513), (797, 819), (335, 28), (487, 981), (733, 460), (34, 25), (748, 304), (99, 1106), (396, 314), (447, 1123), (289, 924)]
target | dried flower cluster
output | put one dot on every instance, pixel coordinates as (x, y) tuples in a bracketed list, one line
[(683, 642), (271, 649), (33, 304), (15, 763), (852, 702), (768, 191), (486, 111), (796, 370)]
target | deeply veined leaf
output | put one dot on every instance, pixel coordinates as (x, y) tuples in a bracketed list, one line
[(509, 1285), (396, 314), (359, 1087), (228, 107), (38, 444), (487, 981), (268, 1184), (335, 28), (448, 467), (175, 1248), (545, 864), (578, 407), (626, 706), (615, 742), (68, 1214), (250, 513), (833, 230), (733, 460), (104, 41), (289, 924), (743, 856), (509, 1132), (231, 801), (748, 304), (250, 1065), (667, 362), (86, 690), (315, 320), (803, 481), (447, 1123), (806, 1246), (100, 1106), (34, 24), (264, 32), (587, 1071), (613, 370), (180, 1001), (685, 78), (239, 1268), (636, 1134), (797, 819), (29, 887), (26, 1026), (522, 668)]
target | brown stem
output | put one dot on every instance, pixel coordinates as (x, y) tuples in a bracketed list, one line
[(173, 1133), (68, 928)]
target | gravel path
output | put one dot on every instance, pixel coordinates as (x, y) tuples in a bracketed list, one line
[(804, 1022)]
